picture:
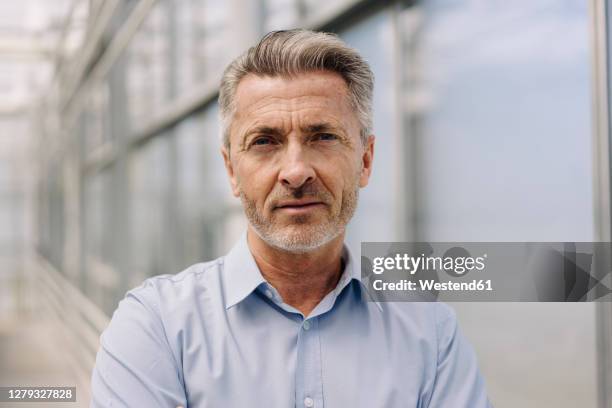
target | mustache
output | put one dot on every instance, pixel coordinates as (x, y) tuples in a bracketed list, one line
[(304, 191)]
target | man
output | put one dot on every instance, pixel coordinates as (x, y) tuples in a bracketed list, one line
[(283, 320)]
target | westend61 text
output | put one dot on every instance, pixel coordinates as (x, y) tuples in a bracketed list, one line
[(432, 285)]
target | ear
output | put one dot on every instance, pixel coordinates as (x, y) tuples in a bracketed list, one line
[(366, 161), (230, 171)]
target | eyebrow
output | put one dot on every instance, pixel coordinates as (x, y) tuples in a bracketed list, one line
[(274, 131), (264, 129), (318, 127), (278, 132)]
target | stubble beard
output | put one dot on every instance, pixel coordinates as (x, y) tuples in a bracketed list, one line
[(303, 234)]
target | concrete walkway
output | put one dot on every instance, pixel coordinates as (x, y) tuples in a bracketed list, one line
[(33, 354)]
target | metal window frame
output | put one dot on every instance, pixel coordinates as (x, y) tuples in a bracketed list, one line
[(602, 175)]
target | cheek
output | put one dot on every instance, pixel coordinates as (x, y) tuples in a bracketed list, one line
[(339, 177), (254, 180)]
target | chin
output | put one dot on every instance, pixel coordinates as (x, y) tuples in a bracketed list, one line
[(302, 239)]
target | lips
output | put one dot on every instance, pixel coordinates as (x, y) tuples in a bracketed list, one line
[(298, 203), (299, 207)]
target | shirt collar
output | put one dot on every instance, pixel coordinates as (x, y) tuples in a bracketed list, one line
[(352, 272), (241, 275)]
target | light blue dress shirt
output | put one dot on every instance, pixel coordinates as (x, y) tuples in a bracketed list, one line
[(218, 335)]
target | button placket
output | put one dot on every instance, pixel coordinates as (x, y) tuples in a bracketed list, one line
[(309, 388)]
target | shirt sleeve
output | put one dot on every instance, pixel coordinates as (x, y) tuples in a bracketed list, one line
[(134, 365), (458, 382)]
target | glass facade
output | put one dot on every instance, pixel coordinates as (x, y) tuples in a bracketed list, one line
[(483, 124), (505, 139)]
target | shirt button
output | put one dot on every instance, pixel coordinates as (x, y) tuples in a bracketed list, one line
[(308, 402), (269, 293), (306, 326)]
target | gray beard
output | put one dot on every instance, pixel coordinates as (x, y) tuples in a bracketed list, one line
[(301, 237)]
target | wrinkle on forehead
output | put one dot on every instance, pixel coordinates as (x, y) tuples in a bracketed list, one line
[(285, 103)]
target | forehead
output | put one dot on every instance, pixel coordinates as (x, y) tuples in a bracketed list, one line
[(318, 93)]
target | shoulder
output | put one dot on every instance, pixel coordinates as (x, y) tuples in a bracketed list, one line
[(168, 288), (161, 302), (160, 296), (187, 276), (154, 290)]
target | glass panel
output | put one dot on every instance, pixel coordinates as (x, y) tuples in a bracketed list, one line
[(148, 67), (97, 120), (12, 219), (101, 281), (499, 102), (56, 216), (202, 32), (149, 174), (505, 143), (281, 14), (189, 33), (374, 219), (216, 35), (203, 193), (191, 237), (319, 8)]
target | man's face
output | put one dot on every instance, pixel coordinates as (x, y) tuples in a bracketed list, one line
[(296, 159)]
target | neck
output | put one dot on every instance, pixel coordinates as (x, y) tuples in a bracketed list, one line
[(301, 279)]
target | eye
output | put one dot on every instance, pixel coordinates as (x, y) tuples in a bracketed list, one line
[(326, 137), (263, 141)]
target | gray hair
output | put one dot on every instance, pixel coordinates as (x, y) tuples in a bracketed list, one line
[(291, 52)]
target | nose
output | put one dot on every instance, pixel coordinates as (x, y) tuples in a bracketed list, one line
[(296, 169)]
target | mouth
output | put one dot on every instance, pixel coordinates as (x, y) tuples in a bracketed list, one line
[(299, 207)]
